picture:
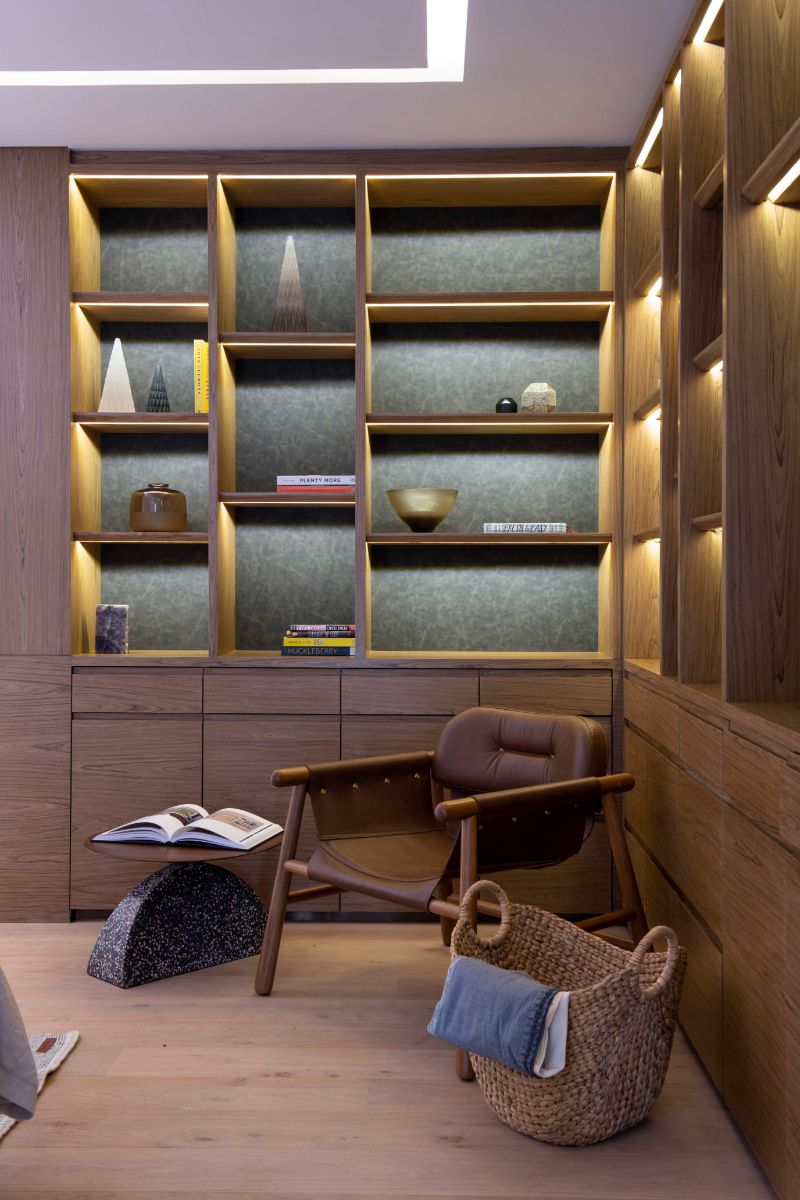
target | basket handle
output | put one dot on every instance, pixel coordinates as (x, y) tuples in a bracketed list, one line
[(673, 950), (505, 910)]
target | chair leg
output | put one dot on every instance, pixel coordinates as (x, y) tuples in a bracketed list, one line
[(265, 972), (446, 924), (622, 861), (468, 875)]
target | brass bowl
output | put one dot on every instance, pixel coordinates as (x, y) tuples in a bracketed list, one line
[(422, 508)]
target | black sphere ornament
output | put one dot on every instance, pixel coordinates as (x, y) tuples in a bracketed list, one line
[(506, 404)]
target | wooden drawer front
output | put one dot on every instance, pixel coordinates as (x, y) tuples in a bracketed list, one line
[(663, 815), (123, 769), (306, 692), (701, 749), (698, 872), (635, 703), (239, 755), (363, 737), (653, 714), (579, 693), (409, 692), (753, 779), (701, 1002), (581, 885), (119, 690)]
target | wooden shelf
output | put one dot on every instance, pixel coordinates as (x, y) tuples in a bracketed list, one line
[(501, 423), (488, 306), (710, 522), (289, 345), (290, 191), (144, 191), (495, 190), (132, 538), (319, 499), (649, 277), (177, 422), (144, 306), (648, 535), (709, 194), (710, 356), (488, 539), (772, 170), (649, 406)]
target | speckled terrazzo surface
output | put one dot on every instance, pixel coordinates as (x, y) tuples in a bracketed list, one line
[(325, 245), (292, 566), (153, 250), (293, 418), (131, 460), (468, 367), (514, 249), (145, 345), (484, 598), (166, 589), (498, 478)]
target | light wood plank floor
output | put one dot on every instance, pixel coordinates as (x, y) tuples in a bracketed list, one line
[(330, 1089)]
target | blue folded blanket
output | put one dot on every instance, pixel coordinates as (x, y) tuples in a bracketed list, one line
[(498, 1014)]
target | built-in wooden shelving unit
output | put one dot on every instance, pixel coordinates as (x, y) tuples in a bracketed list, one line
[(709, 194), (491, 423), (488, 539), (143, 306), (319, 499), (711, 522), (710, 356), (142, 422), (488, 306), (130, 537)]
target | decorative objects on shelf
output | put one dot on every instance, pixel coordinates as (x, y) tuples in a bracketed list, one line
[(111, 629), (157, 397), (538, 398), (506, 404), (422, 509), (200, 376), (158, 508), (117, 395), (290, 314)]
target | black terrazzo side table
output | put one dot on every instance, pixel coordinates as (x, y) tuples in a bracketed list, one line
[(186, 916)]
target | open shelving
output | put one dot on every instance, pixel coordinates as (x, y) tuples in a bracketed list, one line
[(390, 265)]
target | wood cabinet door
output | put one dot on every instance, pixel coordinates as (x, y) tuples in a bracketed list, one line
[(121, 769), (240, 753)]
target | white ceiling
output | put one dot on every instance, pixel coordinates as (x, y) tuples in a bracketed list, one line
[(537, 73)]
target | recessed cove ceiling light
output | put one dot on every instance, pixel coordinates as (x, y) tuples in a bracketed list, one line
[(446, 39)]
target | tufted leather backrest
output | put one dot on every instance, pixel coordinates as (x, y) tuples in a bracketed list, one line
[(492, 749)]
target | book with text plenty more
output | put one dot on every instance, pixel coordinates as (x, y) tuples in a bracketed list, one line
[(200, 376), (191, 825), (526, 527), (341, 484)]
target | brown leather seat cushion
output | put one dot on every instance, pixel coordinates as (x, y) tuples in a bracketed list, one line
[(401, 867), (489, 749)]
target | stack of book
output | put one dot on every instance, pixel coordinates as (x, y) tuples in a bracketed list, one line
[(344, 484), (527, 527), (200, 376), (321, 641)]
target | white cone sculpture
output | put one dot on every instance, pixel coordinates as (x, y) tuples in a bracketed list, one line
[(117, 395), (289, 314)]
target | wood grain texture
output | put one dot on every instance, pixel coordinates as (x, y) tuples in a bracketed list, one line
[(34, 788), (363, 382), (762, 336), (398, 692), (772, 170), (753, 780), (364, 736), (583, 693), (132, 192), (640, 599), (34, 402), (158, 690), (580, 886), (124, 768), (144, 306), (486, 189), (487, 306), (699, 868), (701, 748), (340, 1041), (668, 390), (299, 692), (700, 398), (240, 754), (288, 345), (654, 714)]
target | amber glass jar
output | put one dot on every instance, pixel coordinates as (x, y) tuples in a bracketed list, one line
[(158, 508)]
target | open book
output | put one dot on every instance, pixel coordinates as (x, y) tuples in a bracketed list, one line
[(191, 825)]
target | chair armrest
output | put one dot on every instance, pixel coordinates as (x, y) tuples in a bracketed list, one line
[(591, 787), (291, 776)]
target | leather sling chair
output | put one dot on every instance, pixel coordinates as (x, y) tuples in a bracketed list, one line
[(525, 790)]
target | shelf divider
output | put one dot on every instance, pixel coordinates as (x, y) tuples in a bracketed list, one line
[(649, 276), (488, 306), (288, 345), (144, 306), (172, 422), (489, 423), (133, 538), (709, 194), (319, 499), (709, 522), (710, 356), (488, 539), (777, 163)]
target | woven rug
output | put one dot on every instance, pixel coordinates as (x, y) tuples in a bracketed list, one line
[(49, 1051)]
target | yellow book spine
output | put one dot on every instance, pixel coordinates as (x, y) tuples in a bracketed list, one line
[(198, 376), (204, 392), (332, 641)]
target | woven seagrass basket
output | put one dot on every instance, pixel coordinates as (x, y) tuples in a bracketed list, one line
[(622, 1012)]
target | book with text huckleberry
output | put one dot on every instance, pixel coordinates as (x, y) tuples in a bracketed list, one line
[(324, 640), (191, 825), (318, 651), (526, 527)]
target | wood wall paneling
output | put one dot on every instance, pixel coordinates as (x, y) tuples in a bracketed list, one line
[(310, 693), (701, 748), (34, 788), (670, 310), (34, 401), (583, 693), (754, 780), (408, 692), (154, 690)]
